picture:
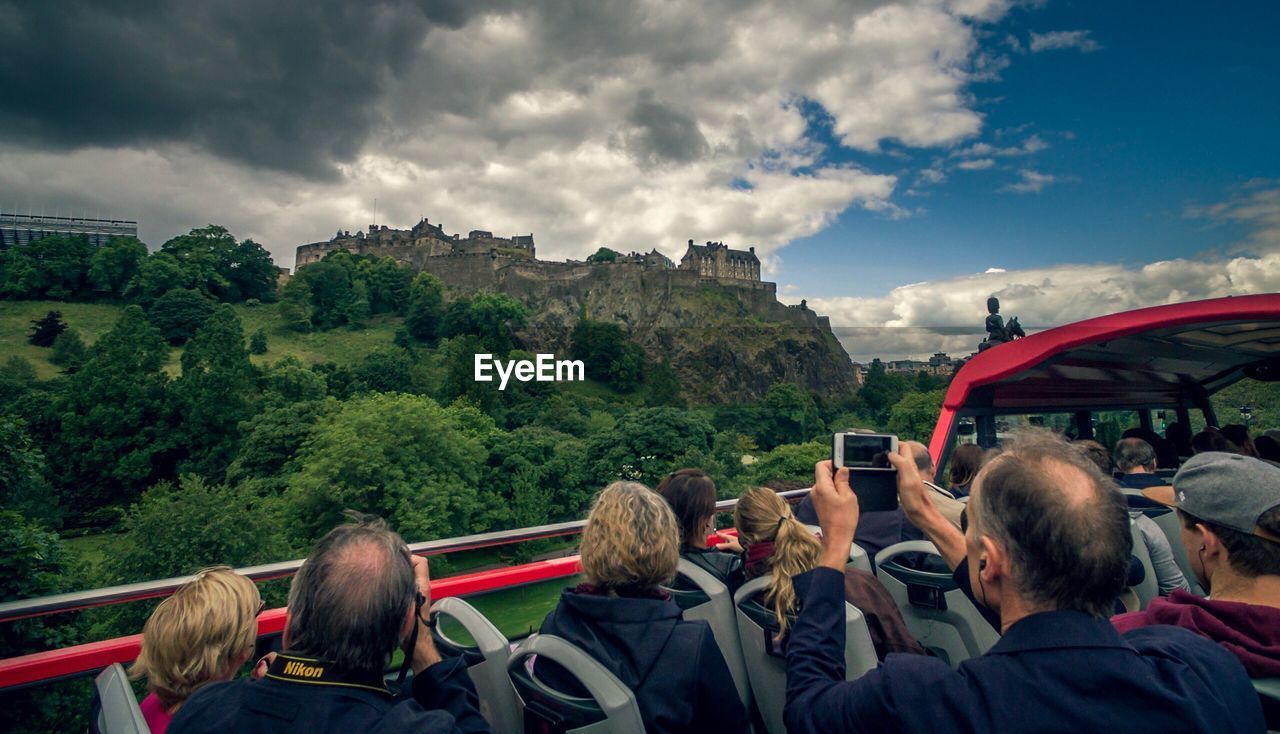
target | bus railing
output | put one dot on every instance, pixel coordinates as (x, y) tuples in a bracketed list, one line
[(78, 660)]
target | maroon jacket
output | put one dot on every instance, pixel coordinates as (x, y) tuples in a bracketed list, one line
[(1249, 631)]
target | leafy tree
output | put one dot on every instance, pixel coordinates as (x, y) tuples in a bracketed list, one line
[(157, 275), (555, 470), (386, 370), (54, 268), (914, 416), (426, 308), (295, 304), (399, 456), (388, 282), (603, 255), (214, 394), (33, 563), (221, 268), (662, 387), (68, 351), (321, 295), (23, 486), (495, 318), (115, 265), (273, 440), (290, 381), (879, 392), (112, 429), (357, 309), (45, 330), (607, 355), (789, 415), (792, 462), (645, 443), (258, 342), (180, 313)]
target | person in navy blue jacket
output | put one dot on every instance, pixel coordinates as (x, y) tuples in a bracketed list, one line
[(622, 618), (1047, 546), (353, 602)]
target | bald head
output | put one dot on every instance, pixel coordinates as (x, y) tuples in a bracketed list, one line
[(924, 462), (1064, 526)]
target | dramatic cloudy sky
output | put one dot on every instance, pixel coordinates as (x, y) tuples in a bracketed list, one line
[(894, 162)]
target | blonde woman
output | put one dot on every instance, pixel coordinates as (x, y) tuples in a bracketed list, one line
[(778, 545), (621, 616), (203, 633)]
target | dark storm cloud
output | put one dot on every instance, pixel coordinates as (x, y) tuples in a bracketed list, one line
[(292, 86), (663, 133)]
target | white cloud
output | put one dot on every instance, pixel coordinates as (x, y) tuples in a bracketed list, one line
[(1256, 206), (977, 164), (1055, 40), (659, 122), (947, 315), (1030, 182)]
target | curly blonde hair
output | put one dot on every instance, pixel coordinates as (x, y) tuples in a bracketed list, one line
[(761, 517), (193, 636), (631, 539)]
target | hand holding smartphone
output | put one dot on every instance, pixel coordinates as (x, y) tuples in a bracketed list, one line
[(871, 476)]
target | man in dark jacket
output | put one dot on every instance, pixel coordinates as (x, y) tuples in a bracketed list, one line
[(1229, 506), (353, 602), (1047, 543)]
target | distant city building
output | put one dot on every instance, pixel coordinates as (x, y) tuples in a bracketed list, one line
[(20, 229), (939, 364), (716, 260)]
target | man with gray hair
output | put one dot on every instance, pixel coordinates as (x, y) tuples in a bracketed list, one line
[(1047, 547), (1136, 459), (359, 596)]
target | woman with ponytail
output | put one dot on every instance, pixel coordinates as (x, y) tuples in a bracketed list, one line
[(780, 546)]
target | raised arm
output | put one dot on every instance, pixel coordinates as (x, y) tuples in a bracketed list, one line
[(918, 508)]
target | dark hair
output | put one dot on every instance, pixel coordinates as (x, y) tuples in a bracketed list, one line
[(1268, 448), (1209, 440), (1095, 452), (692, 496), (1238, 436), (1166, 452), (1063, 524), (966, 460), (1248, 554), (1179, 435), (1134, 453), (348, 602)]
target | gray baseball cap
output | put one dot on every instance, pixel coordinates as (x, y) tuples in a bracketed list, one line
[(1225, 489)]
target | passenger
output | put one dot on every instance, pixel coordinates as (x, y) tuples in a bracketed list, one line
[(1047, 545), (1229, 506), (1238, 436), (203, 633), (779, 545), (1210, 439), (1179, 434), (1137, 460), (358, 598), (966, 460), (1166, 452), (692, 497), (622, 618)]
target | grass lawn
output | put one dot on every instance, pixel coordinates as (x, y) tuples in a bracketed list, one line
[(515, 612), (92, 320), (89, 551)]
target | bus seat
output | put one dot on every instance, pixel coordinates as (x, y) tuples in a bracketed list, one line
[(1168, 522), (611, 708), (486, 662), (1149, 588), (702, 596), (766, 663), (115, 710), (1269, 695), (936, 610), (858, 557)]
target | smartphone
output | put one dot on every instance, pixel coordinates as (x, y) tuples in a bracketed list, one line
[(871, 476)]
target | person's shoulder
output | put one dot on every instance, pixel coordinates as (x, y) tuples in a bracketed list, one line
[(209, 708), (1177, 643), (411, 716)]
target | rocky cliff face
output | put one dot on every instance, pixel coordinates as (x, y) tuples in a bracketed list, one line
[(728, 343)]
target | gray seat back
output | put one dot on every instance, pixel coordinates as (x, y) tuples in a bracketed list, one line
[(858, 557), (1167, 521), (1269, 695), (116, 709), (757, 630), (702, 596), (610, 709), (486, 662), (936, 610), (1150, 586)]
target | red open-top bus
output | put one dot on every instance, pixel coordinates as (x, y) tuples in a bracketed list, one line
[(1168, 358)]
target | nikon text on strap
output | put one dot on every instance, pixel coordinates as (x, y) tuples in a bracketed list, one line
[(314, 672)]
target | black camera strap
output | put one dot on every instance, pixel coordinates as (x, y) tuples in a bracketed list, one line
[(418, 603), (316, 672)]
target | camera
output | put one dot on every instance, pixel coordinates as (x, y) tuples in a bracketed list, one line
[(871, 476)]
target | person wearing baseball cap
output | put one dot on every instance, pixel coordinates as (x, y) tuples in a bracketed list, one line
[(1229, 506)]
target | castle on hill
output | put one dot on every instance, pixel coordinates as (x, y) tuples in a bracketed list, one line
[(425, 243)]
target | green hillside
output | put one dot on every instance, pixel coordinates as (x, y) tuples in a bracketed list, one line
[(343, 346)]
